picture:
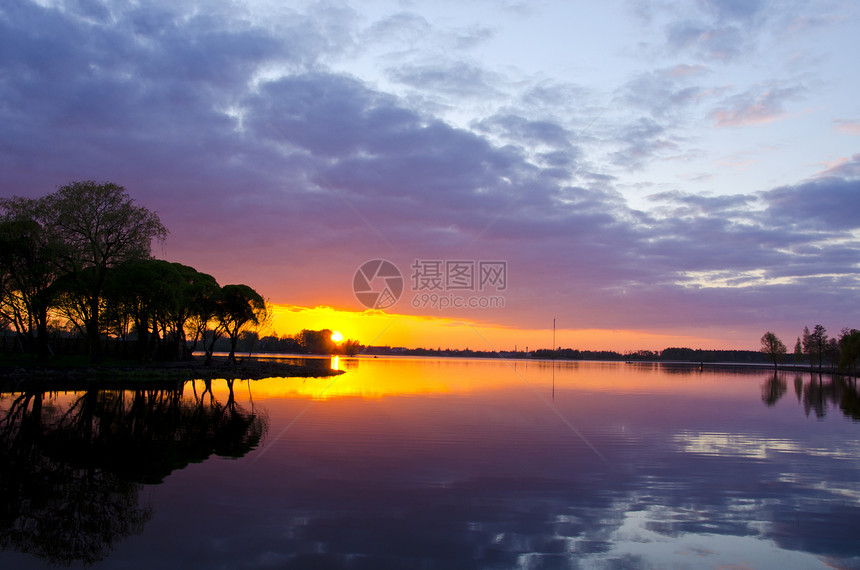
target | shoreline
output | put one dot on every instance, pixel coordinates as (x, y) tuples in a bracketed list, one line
[(14, 376)]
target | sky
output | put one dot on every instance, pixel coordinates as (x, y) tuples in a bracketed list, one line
[(648, 173)]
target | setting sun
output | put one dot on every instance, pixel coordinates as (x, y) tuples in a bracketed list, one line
[(337, 336)]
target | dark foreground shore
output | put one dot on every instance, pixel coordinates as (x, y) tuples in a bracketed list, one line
[(15, 374)]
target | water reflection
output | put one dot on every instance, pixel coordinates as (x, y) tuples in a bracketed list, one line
[(773, 389), (817, 394), (403, 463), (698, 472), (73, 465)]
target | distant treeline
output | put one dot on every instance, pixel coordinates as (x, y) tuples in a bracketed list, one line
[(668, 354), (700, 355), (305, 342)]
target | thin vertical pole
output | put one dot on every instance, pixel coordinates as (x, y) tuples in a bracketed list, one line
[(553, 359)]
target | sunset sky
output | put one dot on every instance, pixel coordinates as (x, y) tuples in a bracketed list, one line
[(652, 173)]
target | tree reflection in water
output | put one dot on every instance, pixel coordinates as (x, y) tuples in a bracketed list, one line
[(70, 476), (817, 394), (773, 389)]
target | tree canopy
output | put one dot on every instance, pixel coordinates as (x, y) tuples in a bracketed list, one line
[(773, 347), (86, 228), (815, 344), (239, 307), (27, 277), (82, 255)]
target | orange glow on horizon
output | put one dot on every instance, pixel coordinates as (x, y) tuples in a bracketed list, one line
[(378, 328)]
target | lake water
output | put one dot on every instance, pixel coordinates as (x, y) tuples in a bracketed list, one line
[(439, 463)]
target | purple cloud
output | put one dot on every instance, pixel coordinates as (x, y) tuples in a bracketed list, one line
[(762, 104), (269, 166), (829, 205)]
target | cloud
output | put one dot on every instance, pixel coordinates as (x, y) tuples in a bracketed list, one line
[(472, 37), (551, 95), (718, 43), (743, 11), (403, 32), (842, 168), (719, 30), (641, 142), (851, 127), (758, 105), (270, 165), (662, 92), (702, 204), (827, 204), (457, 79), (686, 70), (670, 98), (526, 132), (402, 27)]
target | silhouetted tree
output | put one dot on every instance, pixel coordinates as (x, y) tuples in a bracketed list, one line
[(349, 347), (204, 304), (147, 294), (849, 348), (831, 351), (773, 347), (798, 352), (95, 226), (316, 342), (273, 343), (178, 317), (815, 344), (249, 341), (239, 308), (72, 301), (27, 273)]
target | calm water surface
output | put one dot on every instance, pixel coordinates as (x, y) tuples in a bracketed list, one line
[(439, 463)]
